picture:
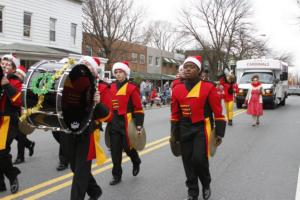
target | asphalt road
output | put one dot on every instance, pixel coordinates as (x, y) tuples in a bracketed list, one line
[(253, 163)]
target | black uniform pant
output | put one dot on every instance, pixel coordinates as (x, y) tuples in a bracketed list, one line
[(195, 162), (76, 148), (62, 157), (6, 167), (118, 143), (23, 142)]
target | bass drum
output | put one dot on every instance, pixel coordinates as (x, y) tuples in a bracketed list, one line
[(68, 106)]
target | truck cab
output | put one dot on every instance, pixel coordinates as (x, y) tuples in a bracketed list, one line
[(273, 74)]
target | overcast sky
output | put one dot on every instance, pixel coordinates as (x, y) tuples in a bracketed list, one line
[(274, 18)]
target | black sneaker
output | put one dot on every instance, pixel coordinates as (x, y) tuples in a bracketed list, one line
[(14, 185), (97, 196), (61, 166), (135, 170), (191, 198), (19, 161), (206, 192), (115, 181), (31, 149), (229, 122)]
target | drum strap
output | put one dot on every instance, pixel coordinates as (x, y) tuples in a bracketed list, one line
[(207, 131), (100, 154), (4, 125), (128, 118), (95, 149)]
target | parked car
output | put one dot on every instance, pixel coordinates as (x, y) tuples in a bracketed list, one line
[(294, 91)]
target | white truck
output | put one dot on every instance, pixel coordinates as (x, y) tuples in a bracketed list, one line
[(273, 74)]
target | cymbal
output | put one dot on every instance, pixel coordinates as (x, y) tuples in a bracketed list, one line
[(25, 128), (138, 141), (107, 137)]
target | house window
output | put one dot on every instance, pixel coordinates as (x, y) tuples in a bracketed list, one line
[(134, 57), (142, 59), (52, 29), (27, 24), (89, 50), (73, 32), (1, 19), (157, 61), (150, 60)]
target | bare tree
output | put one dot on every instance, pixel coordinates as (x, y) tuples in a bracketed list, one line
[(218, 20), (284, 56), (163, 35), (245, 44), (107, 22)]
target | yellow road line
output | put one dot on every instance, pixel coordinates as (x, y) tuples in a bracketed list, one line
[(69, 175), (95, 172), (240, 111), (66, 176)]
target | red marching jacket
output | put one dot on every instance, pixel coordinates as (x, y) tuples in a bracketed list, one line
[(127, 100), (10, 103), (228, 96), (176, 82), (191, 104)]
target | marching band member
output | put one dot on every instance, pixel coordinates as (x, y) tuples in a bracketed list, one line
[(10, 103), (126, 105), (22, 139), (229, 88), (82, 149), (191, 101)]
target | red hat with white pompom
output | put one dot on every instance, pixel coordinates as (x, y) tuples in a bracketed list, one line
[(12, 58), (197, 60), (93, 61), (122, 66)]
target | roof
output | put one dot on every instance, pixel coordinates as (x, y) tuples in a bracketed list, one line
[(34, 51)]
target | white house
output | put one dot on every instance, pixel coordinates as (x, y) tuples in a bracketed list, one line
[(40, 29)]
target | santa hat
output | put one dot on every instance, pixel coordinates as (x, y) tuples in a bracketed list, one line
[(22, 70), (197, 60), (123, 66), (12, 58), (93, 61), (180, 68)]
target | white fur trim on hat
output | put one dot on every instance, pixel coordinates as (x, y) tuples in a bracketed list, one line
[(122, 66), (13, 59), (193, 60), (91, 61)]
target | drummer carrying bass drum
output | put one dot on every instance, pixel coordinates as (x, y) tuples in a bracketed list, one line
[(81, 149), (126, 105)]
